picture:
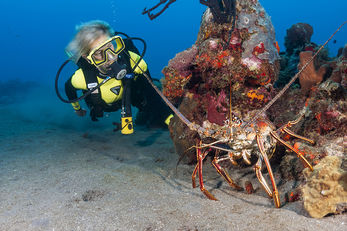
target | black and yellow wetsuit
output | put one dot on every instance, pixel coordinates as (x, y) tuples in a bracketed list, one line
[(108, 97)]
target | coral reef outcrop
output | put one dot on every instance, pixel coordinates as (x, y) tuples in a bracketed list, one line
[(326, 189), (299, 49), (325, 122), (232, 64), (297, 37), (309, 76), (339, 68), (233, 69), (328, 118)]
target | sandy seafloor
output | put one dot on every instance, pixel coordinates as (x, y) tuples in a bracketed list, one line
[(57, 176)]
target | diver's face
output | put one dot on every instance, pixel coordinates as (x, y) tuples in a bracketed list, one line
[(105, 54)]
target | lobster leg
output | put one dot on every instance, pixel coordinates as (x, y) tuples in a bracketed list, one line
[(298, 153), (198, 168), (286, 130), (194, 176), (223, 172), (260, 177), (198, 154), (275, 194)]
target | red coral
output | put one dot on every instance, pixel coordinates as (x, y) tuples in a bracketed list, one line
[(210, 59), (213, 115), (174, 83), (293, 196), (309, 48), (235, 43), (203, 60), (326, 121), (259, 49), (220, 61)]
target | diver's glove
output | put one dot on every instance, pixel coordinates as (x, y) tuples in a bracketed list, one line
[(81, 112), (127, 125)]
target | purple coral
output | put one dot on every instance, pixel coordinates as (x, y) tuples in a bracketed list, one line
[(183, 60)]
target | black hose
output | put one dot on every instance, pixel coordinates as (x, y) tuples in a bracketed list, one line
[(143, 52), (79, 98)]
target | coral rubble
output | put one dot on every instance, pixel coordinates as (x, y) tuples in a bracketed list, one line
[(326, 187)]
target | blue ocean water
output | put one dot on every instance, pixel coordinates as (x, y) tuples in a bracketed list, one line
[(35, 33), (44, 167)]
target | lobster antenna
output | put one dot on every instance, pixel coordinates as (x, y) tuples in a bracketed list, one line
[(291, 81), (230, 111), (173, 108)]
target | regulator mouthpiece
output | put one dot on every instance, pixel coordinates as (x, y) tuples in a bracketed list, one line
[(117, 71)]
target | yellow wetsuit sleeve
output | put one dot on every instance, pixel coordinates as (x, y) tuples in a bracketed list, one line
[(76, 82), (142, 67)]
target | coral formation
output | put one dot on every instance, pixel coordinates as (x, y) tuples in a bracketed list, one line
[(182, 137), (232, 64), (222, 10), (326, 123), (298, 47), (310, 76), (177, 74), (339, 66), (252, 17), (298, 36), (329, 110), (232, 69), (183, 60), (326, 187)]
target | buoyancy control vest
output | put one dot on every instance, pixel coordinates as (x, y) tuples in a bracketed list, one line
[(90, 72), (94, 101)]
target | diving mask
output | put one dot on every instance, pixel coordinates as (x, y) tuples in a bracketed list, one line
[(106, 51)]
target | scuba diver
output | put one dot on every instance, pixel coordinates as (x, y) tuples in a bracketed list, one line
[(111, 76)]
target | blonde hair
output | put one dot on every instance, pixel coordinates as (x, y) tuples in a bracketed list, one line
[(86, 34)]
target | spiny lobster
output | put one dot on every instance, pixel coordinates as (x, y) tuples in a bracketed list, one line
[(241, 140)]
